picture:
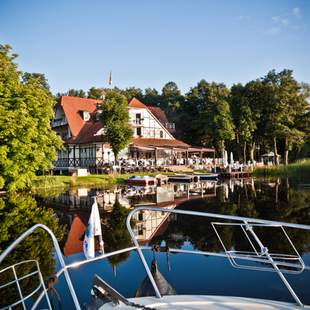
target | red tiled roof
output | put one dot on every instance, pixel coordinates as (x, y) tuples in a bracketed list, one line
[(84, 132), (159, 114), (135, 103), (87, 133), (158, 142), (72, 106)]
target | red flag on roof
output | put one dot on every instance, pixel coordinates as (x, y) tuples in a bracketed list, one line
[(110, 78)]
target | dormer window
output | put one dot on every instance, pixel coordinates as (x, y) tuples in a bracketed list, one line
[(86, 116), (100, 132)]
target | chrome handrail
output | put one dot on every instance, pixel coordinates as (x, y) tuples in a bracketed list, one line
[(58, 252), (18, 279), (245, 220)]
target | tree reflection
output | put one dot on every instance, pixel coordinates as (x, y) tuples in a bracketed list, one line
[(17, 214), (115, 233), (270, 200)]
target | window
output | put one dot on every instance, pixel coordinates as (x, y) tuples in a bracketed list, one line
[(161, 134), (138, 118), (139, 133), (86, 116)]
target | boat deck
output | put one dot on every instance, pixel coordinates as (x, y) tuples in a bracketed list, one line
[(197, 302)]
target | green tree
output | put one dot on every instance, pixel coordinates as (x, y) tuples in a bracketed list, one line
[(76, 93), (115, 119), (285, 104), (151, 97), (42, 80), (171, 98), (242, 118), (27, 142), (210, 117), (96, 93), (132, 92)]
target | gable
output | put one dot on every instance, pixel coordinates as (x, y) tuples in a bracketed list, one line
[(72, 107), (154, 116)]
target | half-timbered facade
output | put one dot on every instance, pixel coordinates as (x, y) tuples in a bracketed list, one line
[(77, 122)]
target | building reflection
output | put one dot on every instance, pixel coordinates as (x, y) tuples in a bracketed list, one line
[(73, 208), (246, 197)]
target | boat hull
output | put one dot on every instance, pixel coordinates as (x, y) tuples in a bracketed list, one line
[(206, 302)]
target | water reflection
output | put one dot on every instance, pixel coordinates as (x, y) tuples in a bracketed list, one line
[(265, 199), (67, 215), (17, 214)]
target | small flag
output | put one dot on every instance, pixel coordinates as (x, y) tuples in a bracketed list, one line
[(93, 229), (110, 78)]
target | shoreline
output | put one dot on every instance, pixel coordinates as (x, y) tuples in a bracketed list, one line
[(298, 170), (93, 180)]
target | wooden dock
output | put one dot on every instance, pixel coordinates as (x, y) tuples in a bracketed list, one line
[(235, 174)]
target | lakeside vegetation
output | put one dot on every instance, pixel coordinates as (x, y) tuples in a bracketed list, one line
[(299, 170), (94, 180)]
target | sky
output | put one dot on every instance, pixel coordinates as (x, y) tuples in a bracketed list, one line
[(76, 43)]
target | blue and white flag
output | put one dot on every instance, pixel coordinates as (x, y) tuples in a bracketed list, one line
[(93, 229)]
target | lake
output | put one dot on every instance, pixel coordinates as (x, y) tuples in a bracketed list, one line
[(67, 213)]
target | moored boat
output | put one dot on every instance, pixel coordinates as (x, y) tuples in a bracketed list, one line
[(207, 176), (183, 178), (141, 181)]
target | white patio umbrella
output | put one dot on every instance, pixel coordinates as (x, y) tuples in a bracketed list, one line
[(225, 159), (231, 158)]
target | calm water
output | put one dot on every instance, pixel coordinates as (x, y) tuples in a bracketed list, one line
[(67, 215)]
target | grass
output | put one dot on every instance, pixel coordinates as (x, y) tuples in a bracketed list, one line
[(299, 170), (48, 182), (94, 180)]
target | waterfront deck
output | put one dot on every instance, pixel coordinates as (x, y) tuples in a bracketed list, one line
[(235, 175)]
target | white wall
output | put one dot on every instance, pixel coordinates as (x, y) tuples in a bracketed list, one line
[(151, 127)]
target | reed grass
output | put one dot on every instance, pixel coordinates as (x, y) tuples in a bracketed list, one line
[(300, 170)]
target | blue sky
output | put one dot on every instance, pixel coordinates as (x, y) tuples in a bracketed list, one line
[(75, 43)]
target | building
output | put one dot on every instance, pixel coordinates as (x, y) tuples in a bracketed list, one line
[(77, 121)]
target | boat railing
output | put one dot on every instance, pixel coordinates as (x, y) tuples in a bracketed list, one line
[(276, 261), (35, 272), (64, 269)]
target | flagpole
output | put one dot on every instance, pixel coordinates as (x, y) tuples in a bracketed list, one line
[(110, 80)]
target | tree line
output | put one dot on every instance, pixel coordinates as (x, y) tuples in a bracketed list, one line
[(270, 113)]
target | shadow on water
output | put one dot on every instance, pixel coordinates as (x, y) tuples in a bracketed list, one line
[(67, 215)]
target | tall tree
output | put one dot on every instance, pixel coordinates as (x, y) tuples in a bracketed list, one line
[(242, 117), (285, 103), (211, 117), (76, 93), (27, 142), (132, 92), (96, 93), (42, 80), (115, 119), (170, 98), (151, 97)]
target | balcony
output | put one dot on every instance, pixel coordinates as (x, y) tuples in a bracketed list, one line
[(138, 122), (170, 126), (59, 122)]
